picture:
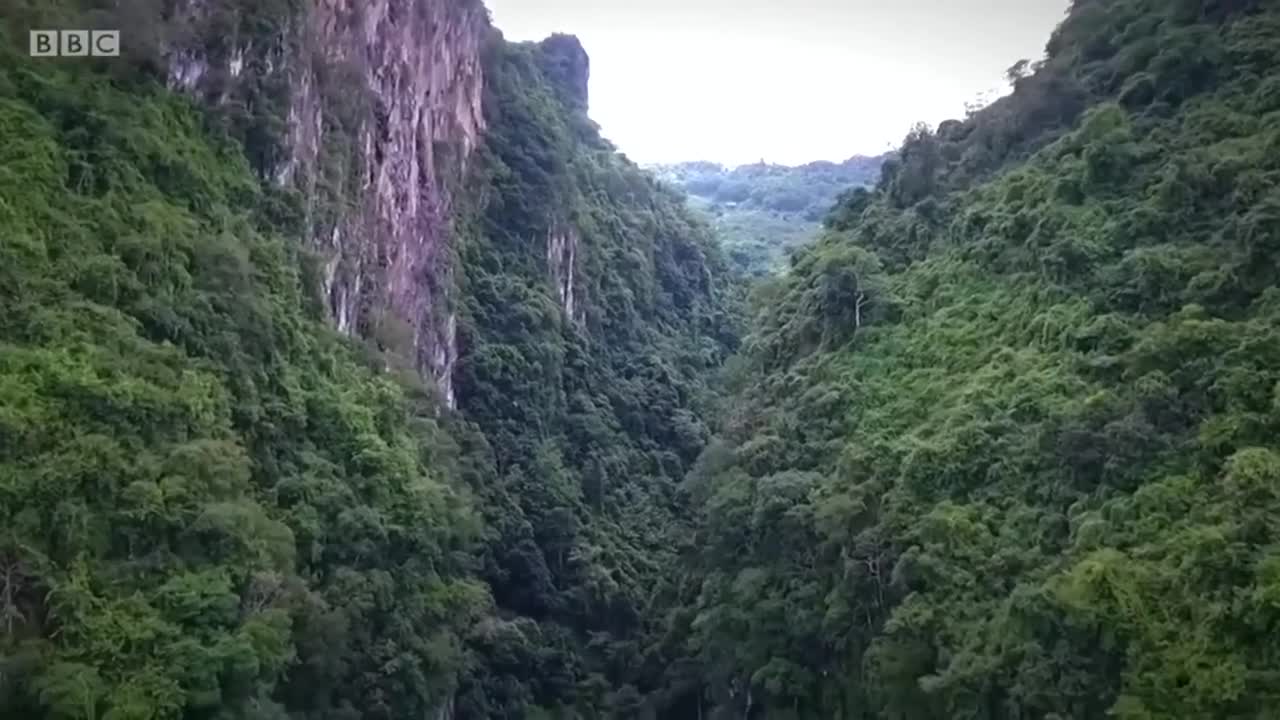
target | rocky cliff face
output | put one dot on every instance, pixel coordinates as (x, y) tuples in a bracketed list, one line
[(379, 112), (562, 260), (567, 66)]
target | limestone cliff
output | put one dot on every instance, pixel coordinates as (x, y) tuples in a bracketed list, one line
[(566, 65), (289, 533), (378, 111), (562, 260)]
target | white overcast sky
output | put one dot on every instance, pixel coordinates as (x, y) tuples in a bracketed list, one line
[(788, 81)]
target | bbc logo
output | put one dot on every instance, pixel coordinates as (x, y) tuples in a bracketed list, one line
[(75, 43)]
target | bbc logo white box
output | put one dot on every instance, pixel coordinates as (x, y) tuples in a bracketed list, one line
[(75, 43), (44, 43), (105, 43)]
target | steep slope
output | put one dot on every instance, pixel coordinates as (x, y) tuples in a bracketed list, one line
[(593, 308), (1004, 441), (763, 211), (211, 506), (214, 504)]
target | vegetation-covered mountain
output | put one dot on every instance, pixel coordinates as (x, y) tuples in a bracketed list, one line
[(1004, 441), (761, 212), (589, 399), (212, 505), (321, 399)]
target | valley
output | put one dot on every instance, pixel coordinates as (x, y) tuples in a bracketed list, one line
[(349, 372), (761, 212)]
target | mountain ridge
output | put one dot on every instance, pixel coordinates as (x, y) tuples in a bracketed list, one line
[(465, 416), (345, 371), (763, 211), (991, 436)]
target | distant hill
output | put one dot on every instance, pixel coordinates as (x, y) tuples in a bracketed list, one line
[(764, 210)]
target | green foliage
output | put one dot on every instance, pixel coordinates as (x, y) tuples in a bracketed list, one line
[(1037, 480), (763, 212), (1001, 443), (208, 506), (591, 414), (214, 507)]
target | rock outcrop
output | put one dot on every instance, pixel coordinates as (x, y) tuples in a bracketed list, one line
[(568, 67), (562, 260), (380, 109)]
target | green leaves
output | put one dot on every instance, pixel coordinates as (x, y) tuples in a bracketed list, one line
[(592, 403), (763, 212), (72, 691), (1040, 484), (194, 473)]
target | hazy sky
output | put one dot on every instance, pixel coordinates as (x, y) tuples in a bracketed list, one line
[(783, 80)]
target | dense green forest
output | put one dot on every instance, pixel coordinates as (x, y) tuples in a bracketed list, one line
[(201, 486), (213, 506), (590, 417), (763, 211), (1001, 443)]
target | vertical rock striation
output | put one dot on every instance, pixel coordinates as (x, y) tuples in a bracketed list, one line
[(562, 259), (381, 111), (567, 68)]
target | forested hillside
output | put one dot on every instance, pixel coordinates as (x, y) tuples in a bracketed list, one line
[(212, 505), (590, 402), (763, 211), (1004, 441), (1000, 444)]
